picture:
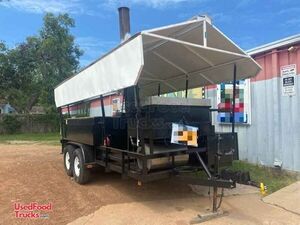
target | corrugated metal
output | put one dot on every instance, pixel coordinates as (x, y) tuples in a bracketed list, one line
[(274, 132)]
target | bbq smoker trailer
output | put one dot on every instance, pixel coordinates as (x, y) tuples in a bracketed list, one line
[(152, 137)]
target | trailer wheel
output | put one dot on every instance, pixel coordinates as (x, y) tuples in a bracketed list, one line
[(80, 172), (68, 161)]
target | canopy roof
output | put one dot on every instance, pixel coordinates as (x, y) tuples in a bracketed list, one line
[(193, 50)]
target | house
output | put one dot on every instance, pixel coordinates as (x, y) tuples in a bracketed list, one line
[(6, 108), (37, 110), (267, 106)]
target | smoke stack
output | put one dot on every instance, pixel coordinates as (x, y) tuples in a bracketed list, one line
[(124, 23)]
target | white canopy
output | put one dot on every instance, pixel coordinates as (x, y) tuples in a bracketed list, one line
[(193, 50)]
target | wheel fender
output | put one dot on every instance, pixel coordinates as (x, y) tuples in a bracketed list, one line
[(85, 150), (67, 147)]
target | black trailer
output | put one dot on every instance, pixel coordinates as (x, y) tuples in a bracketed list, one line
[(130, 142), (137, 140)]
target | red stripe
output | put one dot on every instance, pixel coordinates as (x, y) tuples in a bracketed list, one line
[(213, 86)]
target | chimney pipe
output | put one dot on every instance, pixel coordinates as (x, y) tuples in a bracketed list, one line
[(124, 23)]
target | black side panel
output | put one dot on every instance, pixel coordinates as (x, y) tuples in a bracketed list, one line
[(157, 120), (85, 130), (226, 144), (116, 130), (90, 131)]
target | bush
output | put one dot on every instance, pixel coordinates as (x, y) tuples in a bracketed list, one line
[(10, 124), (29, 123), (51, 119)]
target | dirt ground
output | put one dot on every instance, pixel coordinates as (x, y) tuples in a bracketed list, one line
[(241, 210), (35, 173)]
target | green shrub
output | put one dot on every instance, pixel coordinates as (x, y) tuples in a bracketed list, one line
[(29, 123), (51, 119), (11, 124)]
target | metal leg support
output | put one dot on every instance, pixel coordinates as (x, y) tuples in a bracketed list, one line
[(215, 212)]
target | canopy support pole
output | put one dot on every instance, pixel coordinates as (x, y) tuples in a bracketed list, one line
[(158, 90), (233, 106), (137, 116), (69, 114), (61, 126), (186, 86), (102, 106)]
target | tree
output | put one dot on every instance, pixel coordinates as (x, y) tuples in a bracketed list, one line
[(21, 80), (59, 55), (4, 66), (30, 71)]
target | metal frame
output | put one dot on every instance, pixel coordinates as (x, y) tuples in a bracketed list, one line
[(199, 72), (233, 106), (127, 157), (194, 45)]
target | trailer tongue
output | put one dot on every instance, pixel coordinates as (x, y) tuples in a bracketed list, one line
[(150, 137)]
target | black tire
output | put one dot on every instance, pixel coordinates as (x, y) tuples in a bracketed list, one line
[(82, 175), (68, 156)]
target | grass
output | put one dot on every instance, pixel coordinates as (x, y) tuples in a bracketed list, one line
[(274, 179), (45, 138)]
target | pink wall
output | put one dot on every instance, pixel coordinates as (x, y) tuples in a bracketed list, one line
[(272, 61), (95, 103)]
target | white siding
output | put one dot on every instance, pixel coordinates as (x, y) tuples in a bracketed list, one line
[(274, 132)]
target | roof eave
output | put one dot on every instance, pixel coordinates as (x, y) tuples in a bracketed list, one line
[(273, 45)]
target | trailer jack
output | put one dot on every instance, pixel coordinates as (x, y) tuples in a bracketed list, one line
[(216, 199), (208, 216), (213, 181), (215, 213)]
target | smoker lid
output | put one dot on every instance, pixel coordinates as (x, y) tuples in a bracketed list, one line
[(194, 50)]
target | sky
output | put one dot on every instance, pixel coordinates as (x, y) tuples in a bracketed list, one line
[(249, 23)]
